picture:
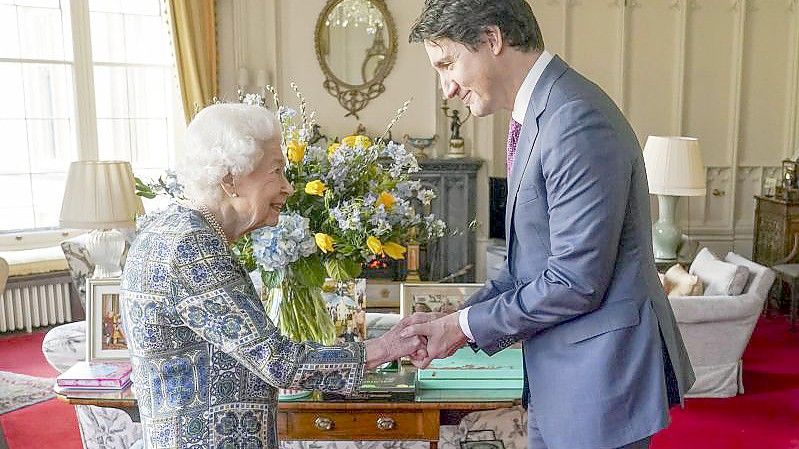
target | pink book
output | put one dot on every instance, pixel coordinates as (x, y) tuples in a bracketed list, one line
[(99, 375)]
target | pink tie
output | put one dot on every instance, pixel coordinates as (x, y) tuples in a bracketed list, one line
[(513, 139)]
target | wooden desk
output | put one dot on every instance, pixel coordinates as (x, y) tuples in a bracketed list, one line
[(312, 418), (776, 222)]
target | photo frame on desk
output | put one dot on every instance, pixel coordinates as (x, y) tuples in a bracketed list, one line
[(434, 297), (105, 338)]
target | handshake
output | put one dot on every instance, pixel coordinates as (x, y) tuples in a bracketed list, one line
[(423, 336)]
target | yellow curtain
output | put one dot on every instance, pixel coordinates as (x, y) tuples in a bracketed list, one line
[(193, 25)]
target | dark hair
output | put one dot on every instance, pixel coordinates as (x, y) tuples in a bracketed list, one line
[(464, 21)]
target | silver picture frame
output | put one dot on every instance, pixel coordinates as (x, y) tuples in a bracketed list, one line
[(434, 297), (105, 338)]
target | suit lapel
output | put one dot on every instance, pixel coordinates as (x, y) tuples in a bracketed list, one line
[(527, 137)]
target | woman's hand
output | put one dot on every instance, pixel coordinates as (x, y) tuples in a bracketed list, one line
[(390, 346)]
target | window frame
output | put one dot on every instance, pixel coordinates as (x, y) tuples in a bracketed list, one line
[(85, 113)]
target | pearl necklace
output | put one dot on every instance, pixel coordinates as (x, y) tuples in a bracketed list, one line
[(211, 219)]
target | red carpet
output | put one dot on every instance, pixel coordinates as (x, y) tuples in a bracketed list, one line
[(765, 417), (49, 424)]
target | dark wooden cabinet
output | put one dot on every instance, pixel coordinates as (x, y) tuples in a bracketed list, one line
[(455, 184), (776, 222)]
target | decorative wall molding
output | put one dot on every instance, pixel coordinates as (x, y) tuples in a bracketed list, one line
[(735, 100), (695, 34), (240, 40), (679, 67), (792, 107)]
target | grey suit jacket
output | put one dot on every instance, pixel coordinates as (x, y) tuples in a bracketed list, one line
[(602, 353)]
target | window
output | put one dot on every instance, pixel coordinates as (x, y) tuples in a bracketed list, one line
[(81, 80)]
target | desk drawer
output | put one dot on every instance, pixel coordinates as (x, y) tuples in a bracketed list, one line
[(358, 425)]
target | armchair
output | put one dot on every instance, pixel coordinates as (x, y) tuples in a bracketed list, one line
[(716, 330)]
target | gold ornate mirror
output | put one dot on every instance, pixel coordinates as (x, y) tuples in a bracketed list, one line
[(356, 45)]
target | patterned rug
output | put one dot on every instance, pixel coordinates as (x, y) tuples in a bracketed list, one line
[(19, 390)]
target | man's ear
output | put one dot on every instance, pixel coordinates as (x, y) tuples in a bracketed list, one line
[(493, 36)]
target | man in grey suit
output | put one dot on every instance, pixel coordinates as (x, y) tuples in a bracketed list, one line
[(603, 357)]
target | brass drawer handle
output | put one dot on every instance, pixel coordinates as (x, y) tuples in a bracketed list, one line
[(323, 423), (386, 423)]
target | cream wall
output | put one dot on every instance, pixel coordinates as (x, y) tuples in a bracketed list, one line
[(726, 71)]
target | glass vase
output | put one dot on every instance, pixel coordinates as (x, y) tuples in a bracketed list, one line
[(299, 311)]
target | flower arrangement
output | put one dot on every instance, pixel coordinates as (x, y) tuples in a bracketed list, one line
[(356, 195), (354, 201)]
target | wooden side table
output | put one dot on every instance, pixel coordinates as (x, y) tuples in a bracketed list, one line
[(776, 222), (789, 273)]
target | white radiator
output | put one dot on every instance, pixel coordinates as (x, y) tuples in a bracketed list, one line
[(34, 301)]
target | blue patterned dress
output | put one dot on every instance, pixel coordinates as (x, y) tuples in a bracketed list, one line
[(206, 359)]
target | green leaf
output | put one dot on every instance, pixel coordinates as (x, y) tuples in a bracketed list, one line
[(310, 270), (242, 248), (272, 279), (342, 269), (143, 189)]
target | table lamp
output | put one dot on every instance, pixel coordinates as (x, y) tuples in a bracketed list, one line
[(674, 168), (100, 195)]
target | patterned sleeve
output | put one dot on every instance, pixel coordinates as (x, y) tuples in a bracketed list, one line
[(216, 299)]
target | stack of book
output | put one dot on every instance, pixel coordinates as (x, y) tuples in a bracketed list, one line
[(96, 375)]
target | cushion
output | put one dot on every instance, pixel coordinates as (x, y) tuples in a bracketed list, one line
[(34, 261), (65, 345), (720, 278), (682, 283)]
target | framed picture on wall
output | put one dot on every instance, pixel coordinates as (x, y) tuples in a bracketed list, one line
[(105, 339), (434, 297)]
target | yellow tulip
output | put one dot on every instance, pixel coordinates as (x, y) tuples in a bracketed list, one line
[(316, 187), (394, 250), (324, 242), (374, 245), (332, 148), (295, 151), (386, 199), (356, 140)]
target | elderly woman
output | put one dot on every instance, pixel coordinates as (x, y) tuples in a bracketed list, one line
[(206, 359)]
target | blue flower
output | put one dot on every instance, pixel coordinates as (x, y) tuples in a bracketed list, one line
[(275, 247)]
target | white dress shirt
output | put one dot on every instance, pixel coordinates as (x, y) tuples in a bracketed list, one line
[(520, 105)]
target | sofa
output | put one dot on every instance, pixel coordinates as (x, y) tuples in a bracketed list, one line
[(716, 328)]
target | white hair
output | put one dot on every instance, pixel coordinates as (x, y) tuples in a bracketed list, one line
[(221, 139)]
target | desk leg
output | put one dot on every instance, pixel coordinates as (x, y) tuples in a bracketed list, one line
[(434, 445)]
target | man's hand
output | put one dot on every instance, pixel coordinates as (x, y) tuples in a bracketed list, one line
[(392, 346), (444, 336)]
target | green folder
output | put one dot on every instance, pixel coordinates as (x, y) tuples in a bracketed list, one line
[(467, 369)]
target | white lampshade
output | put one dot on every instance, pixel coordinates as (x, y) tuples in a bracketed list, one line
[(100, 195), (674, 166)]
